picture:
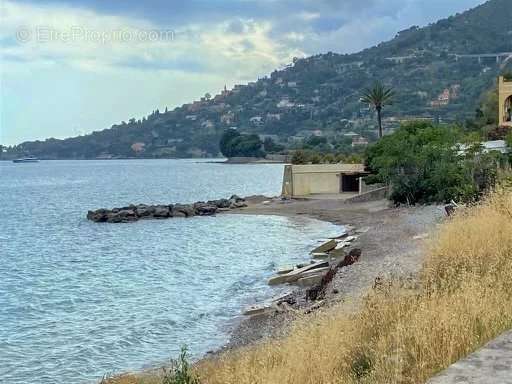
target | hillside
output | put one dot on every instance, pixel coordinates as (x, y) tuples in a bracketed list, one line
[(432, 70)]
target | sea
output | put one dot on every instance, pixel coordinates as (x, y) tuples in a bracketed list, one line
[(79, 300)]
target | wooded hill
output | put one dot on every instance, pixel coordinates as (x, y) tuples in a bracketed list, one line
[(432, 69)]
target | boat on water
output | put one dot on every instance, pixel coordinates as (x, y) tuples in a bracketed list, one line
[(26, 160)]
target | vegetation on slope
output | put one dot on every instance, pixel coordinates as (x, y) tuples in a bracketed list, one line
[(322, 93)]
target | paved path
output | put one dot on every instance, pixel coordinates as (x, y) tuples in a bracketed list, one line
[(491, 364)]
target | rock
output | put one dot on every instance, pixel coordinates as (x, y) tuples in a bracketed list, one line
[(183, 209), (320, 255), (236, 205), (236, 198), (161, 212), (296, 274), (122, 216), (285, 269), (222, 203), (257, 310), (98, 216), (176, 213), (351, 258), (309, 281), (205, 209), (325, 247), (142, 211)]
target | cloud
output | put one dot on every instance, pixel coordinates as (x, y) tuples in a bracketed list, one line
[(93, 41)]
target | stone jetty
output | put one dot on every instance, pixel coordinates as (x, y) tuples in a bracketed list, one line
[(142, 211)]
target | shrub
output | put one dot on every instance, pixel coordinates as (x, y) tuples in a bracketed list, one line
[(315, 158), (329, 159), (299, 157), (180, 371), (423, 164)]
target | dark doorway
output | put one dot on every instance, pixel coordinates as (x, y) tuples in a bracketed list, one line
[(349, 183)]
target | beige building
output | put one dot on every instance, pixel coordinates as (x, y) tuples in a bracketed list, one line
[(505, 97), (304, 180)]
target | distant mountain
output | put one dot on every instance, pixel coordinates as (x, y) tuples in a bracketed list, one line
[(439, 72)]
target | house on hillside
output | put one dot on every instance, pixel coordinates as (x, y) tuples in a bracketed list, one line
[(359, 141), (274, 138), (227, 118), (273, 116), (505, 102), (446, 96), (488, 146), (256, 120), (285, 103)]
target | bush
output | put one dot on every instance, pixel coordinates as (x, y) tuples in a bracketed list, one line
[(271, 146), (329, 159), (422, 163), (299, 157), (315, 158), (180, 371)]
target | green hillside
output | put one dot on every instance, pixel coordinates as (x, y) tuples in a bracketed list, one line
[(433, 76)]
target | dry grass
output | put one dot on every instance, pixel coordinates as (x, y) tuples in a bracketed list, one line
[(403, 333)]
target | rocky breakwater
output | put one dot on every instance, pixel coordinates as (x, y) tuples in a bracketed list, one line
[(143, 211)]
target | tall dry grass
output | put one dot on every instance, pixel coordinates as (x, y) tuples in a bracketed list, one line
[(405, 332)]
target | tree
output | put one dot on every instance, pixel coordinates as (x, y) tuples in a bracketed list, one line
[(299, 157), (271, 146), (225, 144), (378, 96), (422, 164), (235, 144)]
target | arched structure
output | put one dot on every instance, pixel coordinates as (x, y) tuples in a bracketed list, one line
[(505, 100)]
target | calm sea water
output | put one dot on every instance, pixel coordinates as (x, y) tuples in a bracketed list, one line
[(80, 299)]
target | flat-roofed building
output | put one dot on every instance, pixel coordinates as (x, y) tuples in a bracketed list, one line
[(304, 180)]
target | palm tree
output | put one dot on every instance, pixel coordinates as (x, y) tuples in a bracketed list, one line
[(378, 96)]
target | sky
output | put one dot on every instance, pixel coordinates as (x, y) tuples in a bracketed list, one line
[(68, 68)]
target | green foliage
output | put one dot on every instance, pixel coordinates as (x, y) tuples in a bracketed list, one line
[(225, 143), (235, 144), (315, 158), (180, 371), (329, 159), (485, 120), (270, 146), (379, 96), (314, 141), (300, 157), (422, 164), (508, 139)]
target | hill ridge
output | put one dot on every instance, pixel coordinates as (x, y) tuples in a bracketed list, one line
[(431, 69)]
